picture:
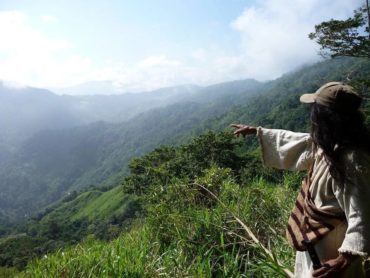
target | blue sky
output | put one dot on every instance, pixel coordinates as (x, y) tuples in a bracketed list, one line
[(132, 29), (142, 45)]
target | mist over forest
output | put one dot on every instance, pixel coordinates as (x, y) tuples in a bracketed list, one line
[(57, 149)]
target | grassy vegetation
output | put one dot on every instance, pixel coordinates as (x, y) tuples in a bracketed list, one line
[(209, 209), (6, 272), (93, 205), (190, 233), (94, 212)]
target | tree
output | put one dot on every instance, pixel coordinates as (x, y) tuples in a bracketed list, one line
[(348, 37)]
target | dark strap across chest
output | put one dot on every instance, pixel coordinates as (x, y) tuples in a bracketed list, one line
[(307, 222)]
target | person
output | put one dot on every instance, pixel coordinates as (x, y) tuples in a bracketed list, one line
[(333, 206)]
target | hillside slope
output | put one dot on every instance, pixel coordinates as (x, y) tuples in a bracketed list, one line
[(24, 111), (164, 184), (54, 162), (278, 104)]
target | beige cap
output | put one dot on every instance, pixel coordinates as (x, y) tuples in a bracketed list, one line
[(336, 95)]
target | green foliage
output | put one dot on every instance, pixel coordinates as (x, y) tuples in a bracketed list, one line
[(162, 165), (7, 272), (348, 37), (53, 163), (127, 256), (187, 218), (186, 231), (103, 214), (278, 104), (189, 233), (15, 251)]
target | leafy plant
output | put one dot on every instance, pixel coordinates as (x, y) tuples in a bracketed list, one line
[(348, 37)]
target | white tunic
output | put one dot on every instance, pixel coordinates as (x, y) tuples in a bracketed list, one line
[(294, 151)]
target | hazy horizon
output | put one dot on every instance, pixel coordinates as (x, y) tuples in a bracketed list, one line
[(149, 45)]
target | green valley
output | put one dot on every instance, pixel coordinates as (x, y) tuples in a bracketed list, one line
[(187, 206)]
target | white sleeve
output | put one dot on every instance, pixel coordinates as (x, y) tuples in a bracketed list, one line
[(354, 198), (284, 149)]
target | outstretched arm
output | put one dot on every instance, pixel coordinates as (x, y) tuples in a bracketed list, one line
[(281, 149)]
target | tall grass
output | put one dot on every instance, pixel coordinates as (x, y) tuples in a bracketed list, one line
[(127, 256), (192, 229), (7, 272)]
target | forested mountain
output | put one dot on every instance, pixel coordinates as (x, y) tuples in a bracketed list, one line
[(26, 111), (54, 162), (118, 108), (277, 104), (162, 185)]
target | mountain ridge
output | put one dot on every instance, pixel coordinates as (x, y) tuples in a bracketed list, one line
[(98, 154)]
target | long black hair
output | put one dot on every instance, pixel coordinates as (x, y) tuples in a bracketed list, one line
[(335, 131)]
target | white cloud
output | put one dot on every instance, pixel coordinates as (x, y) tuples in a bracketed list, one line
[(48, 18), (31, 57), (28, 56), (157, 61), (199, 54), (274, 33), (17, 37), (273, 40), (150, 73)]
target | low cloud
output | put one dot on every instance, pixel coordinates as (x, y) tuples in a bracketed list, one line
[(273, 40), (157, 61), (17, 37), (30, 57), (274, 33)]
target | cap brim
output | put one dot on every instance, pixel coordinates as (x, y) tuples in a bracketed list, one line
[(307, 98)]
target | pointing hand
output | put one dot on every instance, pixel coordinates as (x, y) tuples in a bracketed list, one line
[(244, 129)]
